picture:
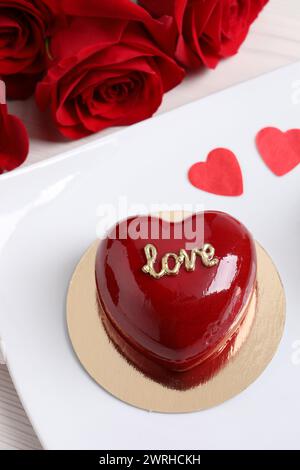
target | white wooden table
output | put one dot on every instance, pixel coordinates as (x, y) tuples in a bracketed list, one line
[(274, 41)]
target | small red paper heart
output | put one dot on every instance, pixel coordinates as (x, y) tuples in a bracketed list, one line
[(14, 142), (220, 174), (279, 150)]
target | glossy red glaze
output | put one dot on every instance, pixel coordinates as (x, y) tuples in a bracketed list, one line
[(177, 329)]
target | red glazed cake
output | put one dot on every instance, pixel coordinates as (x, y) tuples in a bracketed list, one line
[(172, 307)]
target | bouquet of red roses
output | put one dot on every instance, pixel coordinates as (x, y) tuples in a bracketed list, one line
[(101, 63)]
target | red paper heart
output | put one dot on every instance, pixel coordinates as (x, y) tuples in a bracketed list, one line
[(14, 142), (220, 174), (179, 328), (279, 150)]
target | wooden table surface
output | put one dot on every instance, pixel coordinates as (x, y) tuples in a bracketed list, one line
[(274, 41)]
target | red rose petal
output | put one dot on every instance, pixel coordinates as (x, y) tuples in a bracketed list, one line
[(279, 150), (220, 174)]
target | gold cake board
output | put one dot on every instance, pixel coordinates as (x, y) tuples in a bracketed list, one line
[(110, 369)]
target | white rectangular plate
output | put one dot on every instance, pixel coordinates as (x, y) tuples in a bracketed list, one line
[(49, 214)]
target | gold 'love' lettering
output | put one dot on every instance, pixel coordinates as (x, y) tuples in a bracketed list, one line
[(206, 254)]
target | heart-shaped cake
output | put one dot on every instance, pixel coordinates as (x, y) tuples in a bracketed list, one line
[(173, 295)]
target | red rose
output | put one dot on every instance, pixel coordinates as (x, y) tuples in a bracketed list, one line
[(107, 69), (22, 45), (14, 143), (206, 30)]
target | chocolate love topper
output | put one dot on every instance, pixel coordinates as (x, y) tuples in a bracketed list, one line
[(184, 318), (206, 255)]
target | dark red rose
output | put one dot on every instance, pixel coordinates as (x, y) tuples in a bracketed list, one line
[(23, 26), (107, 69), (14, 143), (205, 31)]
